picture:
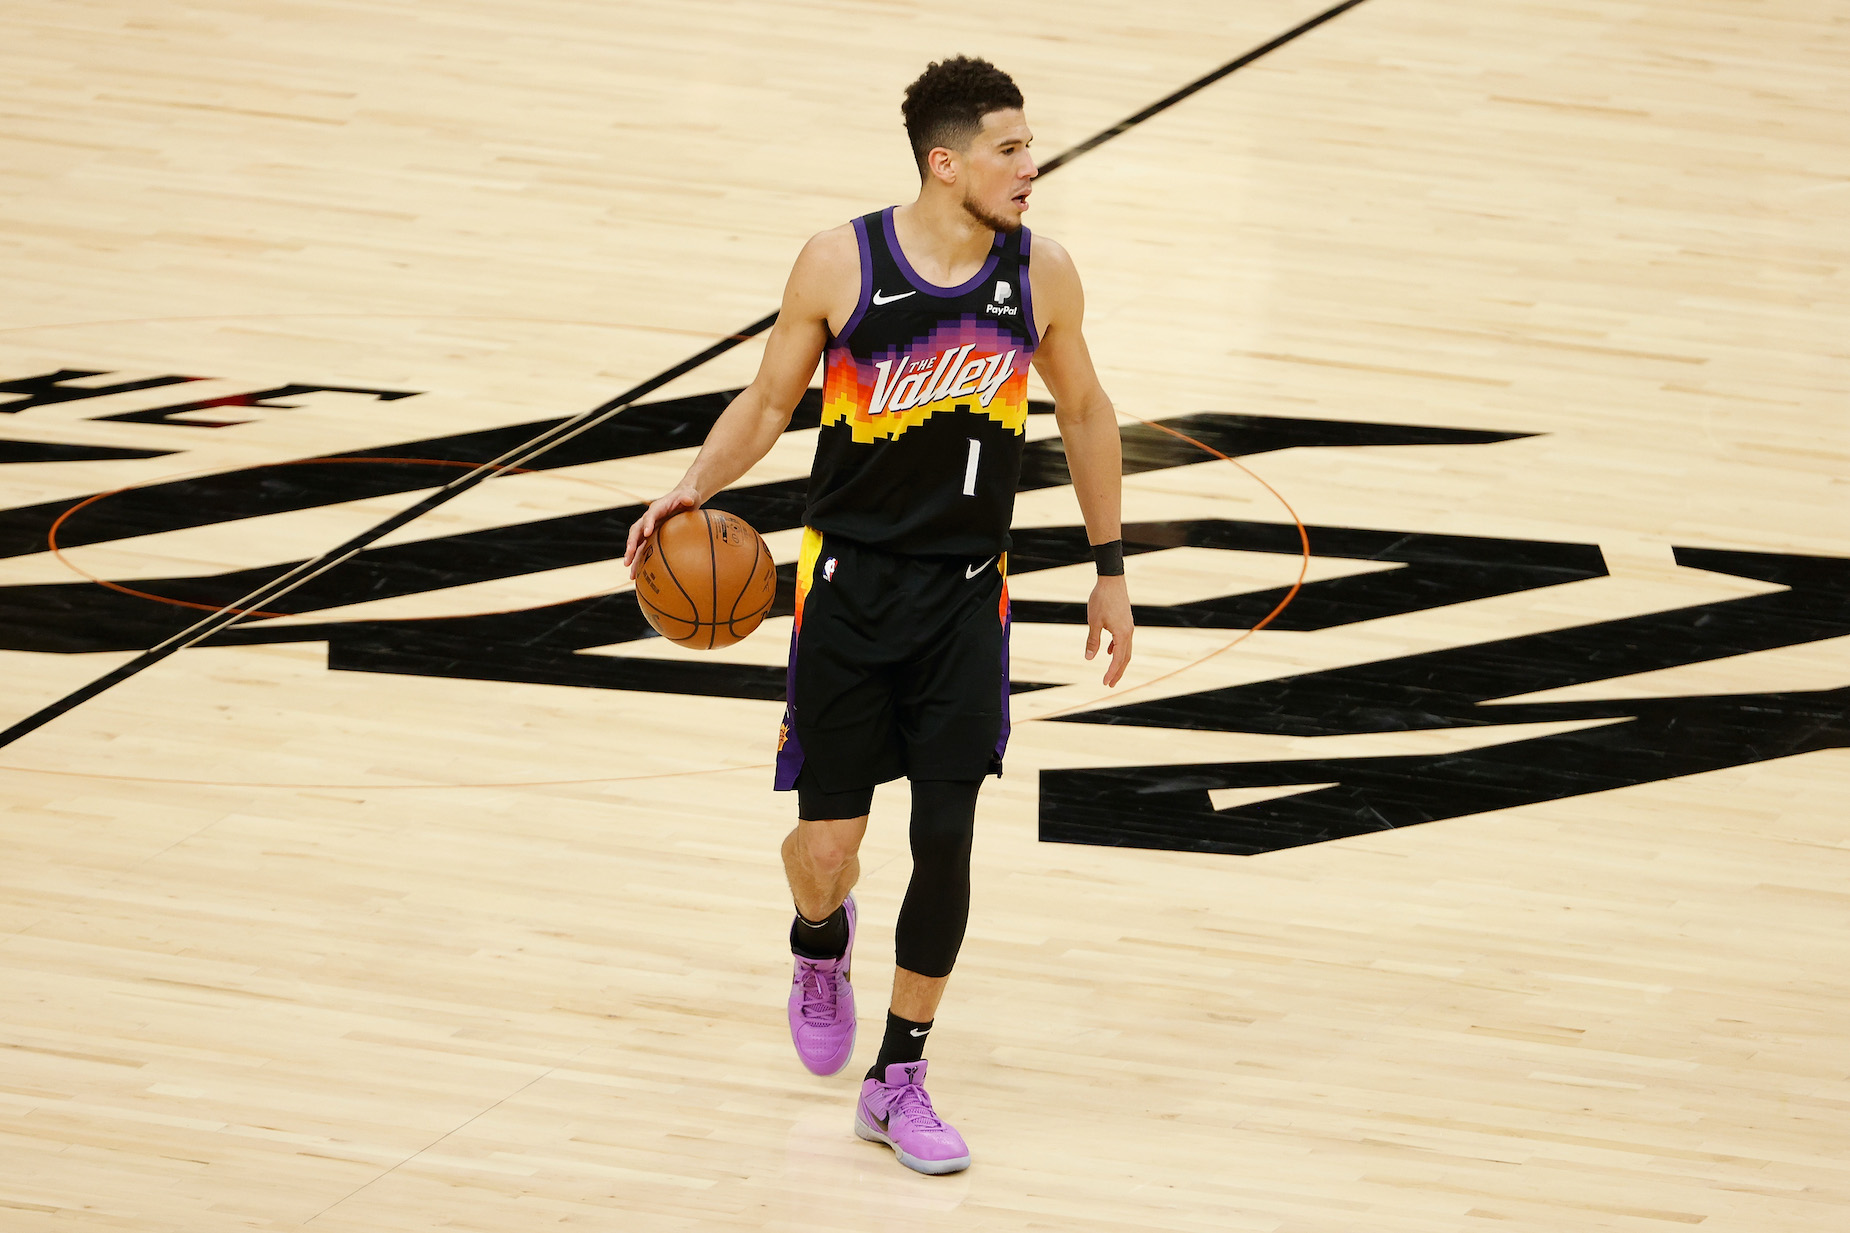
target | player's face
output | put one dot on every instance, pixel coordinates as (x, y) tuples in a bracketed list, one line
[(998, 171)]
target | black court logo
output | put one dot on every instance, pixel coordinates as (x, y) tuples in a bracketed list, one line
[(54, 388), (1617, 743)]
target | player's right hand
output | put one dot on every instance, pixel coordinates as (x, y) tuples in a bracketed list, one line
[(683, 497)]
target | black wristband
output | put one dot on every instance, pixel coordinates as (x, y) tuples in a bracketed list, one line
[(1110, 558)]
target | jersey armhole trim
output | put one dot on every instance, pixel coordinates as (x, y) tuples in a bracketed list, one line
[(867, 284), (1027, 293)]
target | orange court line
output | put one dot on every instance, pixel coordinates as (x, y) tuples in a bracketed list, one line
[(51, 537), (1296, 586)]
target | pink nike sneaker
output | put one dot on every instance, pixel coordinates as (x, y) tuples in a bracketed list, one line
[(898, 1113), (822, 1008)]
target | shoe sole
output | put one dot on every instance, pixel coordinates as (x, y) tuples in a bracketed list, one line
[(935, 1168)]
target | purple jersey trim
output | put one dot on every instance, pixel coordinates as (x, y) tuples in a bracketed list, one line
[(790, 749), (1002, 738), (789, 745), (912, 275), (1027, 292), (789, 760), (867, 284)]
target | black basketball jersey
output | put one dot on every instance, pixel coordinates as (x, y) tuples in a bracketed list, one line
[(925, 403)]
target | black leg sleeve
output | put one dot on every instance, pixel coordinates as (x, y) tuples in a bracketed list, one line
[(937, 905)]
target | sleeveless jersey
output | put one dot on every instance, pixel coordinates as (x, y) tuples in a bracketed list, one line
[(925, 403)]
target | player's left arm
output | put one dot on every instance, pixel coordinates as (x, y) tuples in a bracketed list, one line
[(1089, 427)]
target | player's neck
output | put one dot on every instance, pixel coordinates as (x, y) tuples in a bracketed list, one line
[(941, 241)]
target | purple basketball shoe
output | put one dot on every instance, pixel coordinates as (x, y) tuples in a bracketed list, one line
[(898, 1113), (822, 1007)]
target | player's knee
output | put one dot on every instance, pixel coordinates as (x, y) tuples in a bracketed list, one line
[(941, 849), (943, 823), (827, 849)]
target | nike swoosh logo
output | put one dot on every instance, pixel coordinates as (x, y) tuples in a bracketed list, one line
[(916, 1032), (888, 299), (974, 570)]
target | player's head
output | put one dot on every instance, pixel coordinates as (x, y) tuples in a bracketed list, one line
[(968, 133)]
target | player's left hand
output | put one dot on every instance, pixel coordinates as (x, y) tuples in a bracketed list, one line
[(1109, 610)]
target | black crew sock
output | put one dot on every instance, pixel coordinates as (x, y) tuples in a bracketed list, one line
[(823, 939), (904, 1042)]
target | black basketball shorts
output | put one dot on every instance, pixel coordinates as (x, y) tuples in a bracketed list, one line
[(898, 666)]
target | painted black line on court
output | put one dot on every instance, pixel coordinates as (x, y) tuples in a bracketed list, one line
[(1200, 83), (278, 587)]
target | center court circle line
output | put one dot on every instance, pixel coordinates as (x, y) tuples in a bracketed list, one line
[(616, 405), (1303, 568), (51, 535), (1267, 619)]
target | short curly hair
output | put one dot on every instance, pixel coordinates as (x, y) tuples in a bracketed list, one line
[(946, 105)]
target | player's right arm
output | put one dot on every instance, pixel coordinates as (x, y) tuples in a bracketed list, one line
[(826, 271)]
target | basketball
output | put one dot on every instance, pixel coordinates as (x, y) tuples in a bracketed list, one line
[(705, 579)]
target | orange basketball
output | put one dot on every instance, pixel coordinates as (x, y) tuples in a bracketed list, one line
[(705, 579)]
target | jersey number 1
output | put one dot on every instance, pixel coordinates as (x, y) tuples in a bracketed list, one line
[(976, 448)]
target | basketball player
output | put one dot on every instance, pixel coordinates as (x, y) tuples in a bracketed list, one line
[(927, 316)]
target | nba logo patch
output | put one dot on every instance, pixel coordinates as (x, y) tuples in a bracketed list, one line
[(828, 570)]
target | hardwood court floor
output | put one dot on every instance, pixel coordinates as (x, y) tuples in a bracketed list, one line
[(430, 940)]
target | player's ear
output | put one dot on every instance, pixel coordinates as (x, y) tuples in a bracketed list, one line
[(941, 165)]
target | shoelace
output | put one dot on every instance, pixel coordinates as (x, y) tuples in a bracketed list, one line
[(817, 1003), (913, 1104)]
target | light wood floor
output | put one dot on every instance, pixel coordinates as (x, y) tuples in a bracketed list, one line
[(273, 957)]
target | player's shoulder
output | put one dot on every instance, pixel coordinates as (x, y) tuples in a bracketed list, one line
[(1052, 265), (1056, 278), (825, 276), (832, 251), (1045, 250)]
